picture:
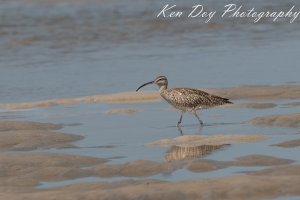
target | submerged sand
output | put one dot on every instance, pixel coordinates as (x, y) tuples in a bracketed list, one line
[(253, 105), (21, 166), (289, 144), (295, 104), (255, 92), (289, 120), (25, 169), (272, 183), (123, 111), (27, 125), (22, 171)]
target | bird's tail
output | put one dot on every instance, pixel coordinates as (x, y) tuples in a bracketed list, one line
[(217, 100), (226, 101)]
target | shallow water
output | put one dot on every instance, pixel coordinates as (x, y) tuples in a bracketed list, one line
[(67, 49), (127, 140), (52, 50)]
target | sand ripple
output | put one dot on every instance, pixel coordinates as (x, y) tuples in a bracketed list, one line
[(197, 140), (241, 92)]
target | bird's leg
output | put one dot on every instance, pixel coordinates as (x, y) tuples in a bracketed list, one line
[(180, 119), (200, 121), (180, 130)]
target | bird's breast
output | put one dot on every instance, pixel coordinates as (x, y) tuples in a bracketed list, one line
[(179, 101)]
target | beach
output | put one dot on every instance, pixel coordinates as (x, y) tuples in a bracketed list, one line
[(73, 127)]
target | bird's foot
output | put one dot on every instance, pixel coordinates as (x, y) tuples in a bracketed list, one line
[(180, 130), (201, 122), (178, 124)]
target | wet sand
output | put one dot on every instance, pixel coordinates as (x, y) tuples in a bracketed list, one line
[(236, 93), (254, 105), (22, 171), (197, 140), (124, 97), (21, 168), (295, 104), (26, 169), (25, 135), (289, 144), (257, 92), (289, 120), (271, 183), (123, 111), (75, 61)]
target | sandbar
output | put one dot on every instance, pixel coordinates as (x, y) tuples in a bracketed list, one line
[(288, 120), (244, 92), (264, 184), (26, 135)]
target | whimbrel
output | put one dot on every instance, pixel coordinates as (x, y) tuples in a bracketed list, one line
[(186, 99)]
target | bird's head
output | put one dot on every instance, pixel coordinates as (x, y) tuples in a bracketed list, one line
[(161, 81)]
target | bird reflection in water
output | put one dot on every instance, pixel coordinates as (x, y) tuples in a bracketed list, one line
[(192, 151), (189, 152)]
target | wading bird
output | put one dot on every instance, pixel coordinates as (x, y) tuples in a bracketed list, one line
[(186, 99)]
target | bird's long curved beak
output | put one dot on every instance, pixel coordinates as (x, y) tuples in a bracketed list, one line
[(151, 82)]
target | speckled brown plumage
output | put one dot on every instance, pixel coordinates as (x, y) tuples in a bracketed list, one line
[(186, 99)]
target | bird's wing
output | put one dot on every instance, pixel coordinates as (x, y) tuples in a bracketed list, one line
[(198, 97), (190, 91)]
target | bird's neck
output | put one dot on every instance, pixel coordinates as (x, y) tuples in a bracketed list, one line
[(162, 88)]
